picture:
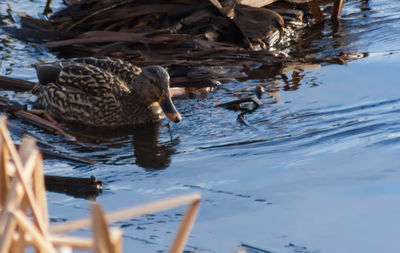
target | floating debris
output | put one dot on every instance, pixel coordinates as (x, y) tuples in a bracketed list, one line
[(15, 84), (87, 188), (236, 104), (259, 90), (252, 249), (185, 35)]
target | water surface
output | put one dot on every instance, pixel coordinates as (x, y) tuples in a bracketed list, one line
[(314, 169)]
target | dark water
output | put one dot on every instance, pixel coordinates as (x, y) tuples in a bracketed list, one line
[(314, 170)]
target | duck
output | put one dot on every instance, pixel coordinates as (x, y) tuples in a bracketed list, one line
[(104, 92)]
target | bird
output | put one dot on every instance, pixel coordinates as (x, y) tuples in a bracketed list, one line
[(257, 24), (104, 92)]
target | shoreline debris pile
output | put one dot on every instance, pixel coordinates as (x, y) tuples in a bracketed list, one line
[(193, 39)]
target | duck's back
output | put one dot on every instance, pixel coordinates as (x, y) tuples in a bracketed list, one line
[(90, 91), (124, 70), (89, 74)]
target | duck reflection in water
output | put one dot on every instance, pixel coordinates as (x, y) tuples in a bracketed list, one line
[(150, 154), (116, 146)]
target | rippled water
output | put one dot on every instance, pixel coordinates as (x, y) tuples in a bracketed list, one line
[(315, 169)]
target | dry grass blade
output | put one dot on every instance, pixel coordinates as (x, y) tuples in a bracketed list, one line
[(39, 239), (22, 178), (40, 191), (27, 193), (100, 231), (103, 37), (96, 13), (216, 3), (337, 8), (6, 230), (4, 178), (129, 213), (27, 145), (185, 227), (77, 243)]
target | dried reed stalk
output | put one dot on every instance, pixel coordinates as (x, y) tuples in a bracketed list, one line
[(19, 194), (26, 192), (101, 234), (185, 227), (4, 178), (128, 213), (316, 10), (77, 243), (41, 241), (337, 8)]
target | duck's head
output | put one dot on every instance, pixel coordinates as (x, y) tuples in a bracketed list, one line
[(154, 85)]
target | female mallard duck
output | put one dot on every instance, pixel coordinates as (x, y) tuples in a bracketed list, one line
[(104, 92)]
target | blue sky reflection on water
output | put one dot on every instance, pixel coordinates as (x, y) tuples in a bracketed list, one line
[(330, 195), (316, 172)]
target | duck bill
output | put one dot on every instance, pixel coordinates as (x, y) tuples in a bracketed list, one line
[(170, 110)]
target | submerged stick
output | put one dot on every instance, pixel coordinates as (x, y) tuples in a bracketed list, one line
[(42, 123), (15, 84), (47, 9), (316, 10), (74, 186), (67, 157), (236, 103)]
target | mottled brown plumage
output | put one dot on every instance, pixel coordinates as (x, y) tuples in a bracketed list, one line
[(104, 92)]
